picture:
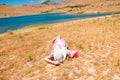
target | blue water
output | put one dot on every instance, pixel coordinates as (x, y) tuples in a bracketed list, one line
[(13, 23)]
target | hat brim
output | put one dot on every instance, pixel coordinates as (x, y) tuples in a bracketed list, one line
[(60, 55)]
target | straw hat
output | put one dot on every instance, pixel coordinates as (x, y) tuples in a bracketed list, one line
[(60, 54)]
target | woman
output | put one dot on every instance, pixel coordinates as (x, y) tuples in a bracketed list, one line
[(60, 51)]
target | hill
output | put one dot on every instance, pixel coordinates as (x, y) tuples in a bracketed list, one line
[(67, 6), (97, 41)]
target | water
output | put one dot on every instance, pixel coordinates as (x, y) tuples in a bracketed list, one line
[(13, 23)]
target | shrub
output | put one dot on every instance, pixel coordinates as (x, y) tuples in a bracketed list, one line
[(39, 26), (90, 47), (92, 5), (64, 74), (80, 44), (118, 4), (81, 12), (70, 10), (10, 32), (29, 56), (27, 72), (96, 63), (113, 14), (118, 63), (76, 6), (5, 14), (42, 27), (48, 11), (94, 21), (19, 35)]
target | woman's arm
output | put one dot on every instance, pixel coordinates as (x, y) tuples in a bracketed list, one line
[(49, 59)]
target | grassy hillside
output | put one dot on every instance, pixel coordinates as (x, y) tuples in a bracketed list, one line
[(96, 40), (67, 6)]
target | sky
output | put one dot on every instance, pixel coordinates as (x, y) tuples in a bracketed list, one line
[(22, 2)]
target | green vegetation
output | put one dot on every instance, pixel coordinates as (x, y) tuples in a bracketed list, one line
[(106, 18), (10, 32), (64, 74), (15, 34), (0, 39), (39, 26), (118, 63), (80, 44), (76, 6), (94, 21), (27, 72), (81, 12), (3, 55), (48, 11), (29, 56), (18, 35), (90, 47), (96, 47), (113, 14), (12, 64), (96, 63)]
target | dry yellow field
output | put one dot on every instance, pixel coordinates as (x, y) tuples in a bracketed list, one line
[(97, 41)]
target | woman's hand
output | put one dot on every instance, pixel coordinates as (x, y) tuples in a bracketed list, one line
[(56, 63), (48, 59)]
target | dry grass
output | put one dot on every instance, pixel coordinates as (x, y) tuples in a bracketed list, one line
[(21, 54)]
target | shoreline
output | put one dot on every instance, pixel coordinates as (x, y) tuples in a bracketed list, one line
[(27, 29), (56, 12)]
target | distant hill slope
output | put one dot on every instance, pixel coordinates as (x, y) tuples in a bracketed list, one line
[(46, 1), (67, 6)]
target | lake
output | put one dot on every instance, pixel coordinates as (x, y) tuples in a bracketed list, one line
[(13, 23)]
